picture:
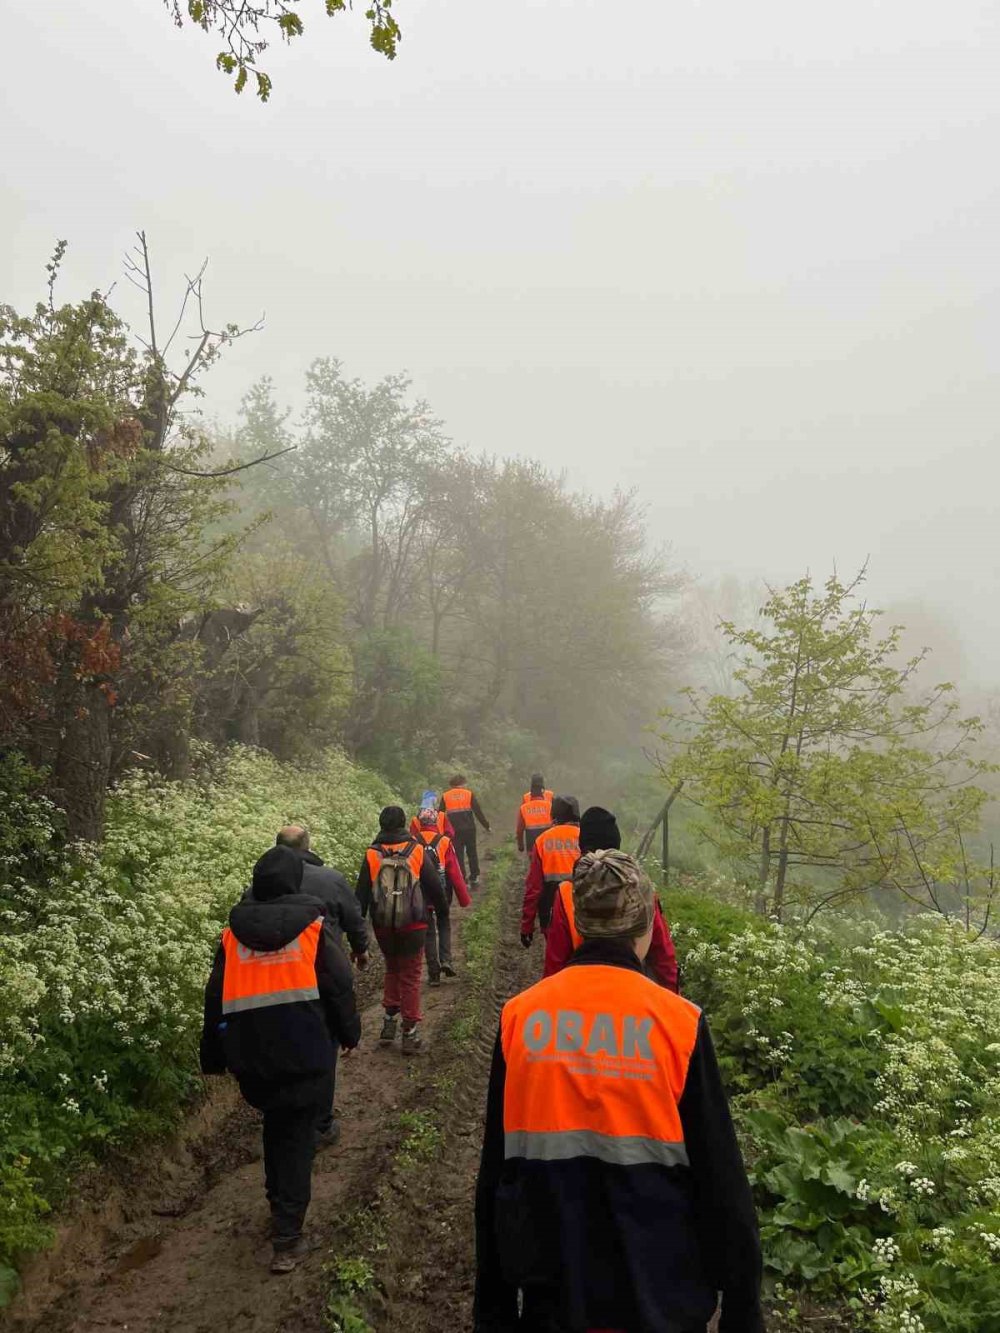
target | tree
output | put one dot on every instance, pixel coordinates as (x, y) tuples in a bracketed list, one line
[(106, 532), (823, 774), (247, 29)]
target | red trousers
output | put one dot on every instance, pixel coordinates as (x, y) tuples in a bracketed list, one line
[(402, 987)]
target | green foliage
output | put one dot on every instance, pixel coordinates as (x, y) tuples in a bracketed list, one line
[(245, 27), (422, 1138), (865, 1077), (103, 961), (823, 777)]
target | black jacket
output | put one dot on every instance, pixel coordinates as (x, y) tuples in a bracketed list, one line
[(642, 1249), (288, 1040), (332, 889), (403, 944)]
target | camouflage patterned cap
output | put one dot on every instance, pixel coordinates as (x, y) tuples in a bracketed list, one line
[(612, 896)]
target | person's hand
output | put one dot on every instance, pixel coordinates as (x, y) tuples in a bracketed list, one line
[(345, 1051), (527, 936), (488, 829), (361, 960)]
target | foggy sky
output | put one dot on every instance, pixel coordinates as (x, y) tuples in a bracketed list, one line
[(743, 257)]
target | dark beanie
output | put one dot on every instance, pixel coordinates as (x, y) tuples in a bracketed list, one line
[(599, 830), (392, 817), (278, 872), (565, 810)]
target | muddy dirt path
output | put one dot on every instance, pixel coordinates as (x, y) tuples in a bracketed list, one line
[(181, 1247)]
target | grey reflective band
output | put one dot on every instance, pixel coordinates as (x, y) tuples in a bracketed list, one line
[(266, 1001), (558, 876), (558, 1145)]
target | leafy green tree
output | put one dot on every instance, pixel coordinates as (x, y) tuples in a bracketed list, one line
[(247, 28), (824, 774)]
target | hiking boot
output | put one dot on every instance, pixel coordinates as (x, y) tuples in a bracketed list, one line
[(412, 1040), (435, 978), (328, 1136), (388, 1034), (448, 971), (474, 883), (287, 1258)]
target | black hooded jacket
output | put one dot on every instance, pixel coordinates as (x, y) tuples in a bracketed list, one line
[(332, 889), (283, 1041)]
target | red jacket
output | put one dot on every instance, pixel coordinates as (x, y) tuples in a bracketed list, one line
[(660, 964), (453, 874), (452, 869)]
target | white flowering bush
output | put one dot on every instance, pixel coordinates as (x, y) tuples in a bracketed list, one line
[(865, 1067), (105, 953)]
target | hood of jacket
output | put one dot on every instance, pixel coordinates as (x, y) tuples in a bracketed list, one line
[(271, 925), (311, 859), (393, 836)]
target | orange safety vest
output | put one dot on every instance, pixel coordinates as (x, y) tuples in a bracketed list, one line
[(457, 798), (417, 829), (559, 849), (444, 842), (597, 1059), (566, 894), (260, 978), (536, 811), (415, 860)]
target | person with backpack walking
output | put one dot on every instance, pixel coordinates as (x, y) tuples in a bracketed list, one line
[(599, 832), (553, 857), (279, 1005), (462, 807), (397, 885), (429, 801), (440, 847), (612, 1195), (534, 814)]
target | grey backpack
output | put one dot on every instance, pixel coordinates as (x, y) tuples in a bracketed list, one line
[(397, 899)]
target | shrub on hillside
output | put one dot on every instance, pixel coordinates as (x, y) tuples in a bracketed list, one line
[(866, 1069), (104, 960)]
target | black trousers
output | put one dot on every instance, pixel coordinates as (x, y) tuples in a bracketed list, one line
[(293, 1111), (465, 845)]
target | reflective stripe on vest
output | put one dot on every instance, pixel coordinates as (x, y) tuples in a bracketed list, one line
[(536, 811), (566, 894), (597, 1058), (457, 798), (260, 978), (559, 849), (415, 859)]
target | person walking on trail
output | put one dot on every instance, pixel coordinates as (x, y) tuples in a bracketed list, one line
[(397, 886), (612, 1197), (429, 801), (459, 803), (441, 850), (332, 889), (553, 857), (279, 1005), (535, 813), (599, 832), (344, 915)]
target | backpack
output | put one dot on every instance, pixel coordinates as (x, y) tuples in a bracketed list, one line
[(432, 846), (397, 899)]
